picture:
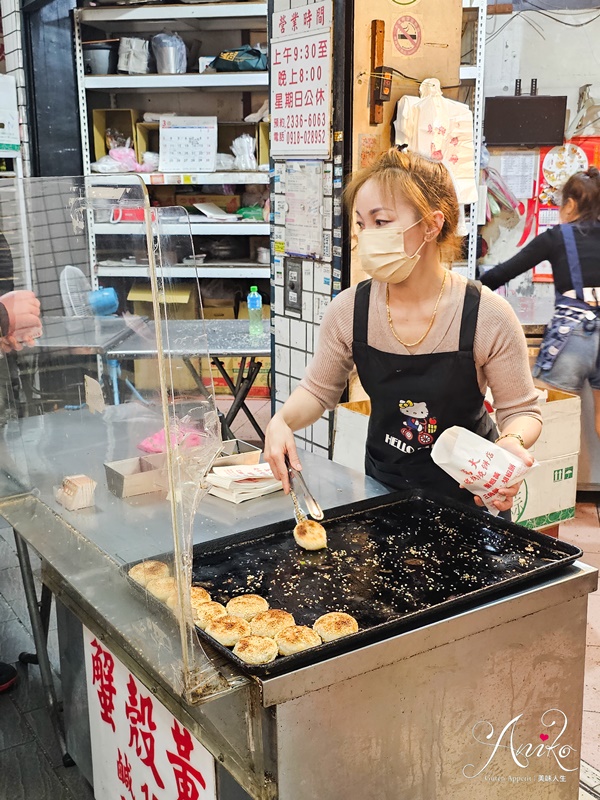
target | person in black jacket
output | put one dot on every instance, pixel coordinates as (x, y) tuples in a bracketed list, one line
[(570, 353)]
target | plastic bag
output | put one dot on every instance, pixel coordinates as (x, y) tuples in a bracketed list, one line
[(225, 161), (243, 149), (480, 466), (251, 212), (242, 59), (122, 159), (443, 130), (170, 53), (134, 56), (107, 165)]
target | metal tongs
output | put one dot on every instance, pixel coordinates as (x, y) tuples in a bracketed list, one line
[(313, 508)]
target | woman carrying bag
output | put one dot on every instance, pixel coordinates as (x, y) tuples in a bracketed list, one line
[(570, 352)]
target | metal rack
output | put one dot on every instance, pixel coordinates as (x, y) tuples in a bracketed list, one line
[(474, 72), (152, 19)]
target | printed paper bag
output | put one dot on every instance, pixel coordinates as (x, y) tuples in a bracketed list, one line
[(480, 466)]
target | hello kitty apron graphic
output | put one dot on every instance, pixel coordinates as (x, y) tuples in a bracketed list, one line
[(418, 424)]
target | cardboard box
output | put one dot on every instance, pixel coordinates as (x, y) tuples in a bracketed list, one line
[(262, 384), (547, 495), (147, 138), (263, 154), (183, 303), (134, 476), (350, 434), (218, 381), (163, 196), (228, 131), (218, 312), (236, 452), (228, 202), (561, 432), (122, 119), (243, 311)]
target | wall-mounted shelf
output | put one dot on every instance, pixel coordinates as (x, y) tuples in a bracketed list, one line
[(468, 72), (202, 178), (206, 270), (224, 82), (198, 228), (201, 16)]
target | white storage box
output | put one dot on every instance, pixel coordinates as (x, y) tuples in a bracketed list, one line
[(350, 434), (140, 475), (561, 433), (547, 495)]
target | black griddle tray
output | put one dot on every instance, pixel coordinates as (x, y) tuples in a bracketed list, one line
[(395, 563)]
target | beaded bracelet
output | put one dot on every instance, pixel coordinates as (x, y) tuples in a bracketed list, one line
[(516, 436)]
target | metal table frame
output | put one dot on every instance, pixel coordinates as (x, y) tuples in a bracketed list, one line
[(39, 615), (223, 338)]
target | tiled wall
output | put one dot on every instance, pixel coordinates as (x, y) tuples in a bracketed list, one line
[(297, 333), (52, 238), (13, 48)]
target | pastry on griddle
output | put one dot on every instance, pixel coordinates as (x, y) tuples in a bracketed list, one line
[(246, 606), (146, 571), (228, 630), (310, 535), (295, 639), (162, 588), (256, 649), (335, 625), (206, 612), (198, 595), (270, 623)]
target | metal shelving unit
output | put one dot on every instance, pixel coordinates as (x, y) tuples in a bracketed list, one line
[(198, 228), (205, 17), (474, 72), (206, 270), (225, 82), (179, 178)]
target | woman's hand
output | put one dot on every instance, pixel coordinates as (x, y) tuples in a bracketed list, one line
[(505, 497), (279, 441)]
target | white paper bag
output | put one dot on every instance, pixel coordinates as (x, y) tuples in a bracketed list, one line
[(480, 466)]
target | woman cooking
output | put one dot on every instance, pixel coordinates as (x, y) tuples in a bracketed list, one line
[(569, 353), (426, 342)]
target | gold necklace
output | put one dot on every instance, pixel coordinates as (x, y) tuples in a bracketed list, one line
[(429, 327)]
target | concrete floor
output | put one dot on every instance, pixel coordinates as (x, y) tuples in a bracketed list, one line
[(30, 763), (584, 531)]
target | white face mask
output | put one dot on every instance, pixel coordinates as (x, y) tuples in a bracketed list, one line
[(382, 254)]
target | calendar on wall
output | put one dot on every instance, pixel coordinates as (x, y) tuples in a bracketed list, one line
[(188, 144)]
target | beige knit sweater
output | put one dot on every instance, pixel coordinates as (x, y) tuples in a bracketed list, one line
[(500, 349)]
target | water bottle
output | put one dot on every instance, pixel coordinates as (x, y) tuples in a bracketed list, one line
[(255, 312)]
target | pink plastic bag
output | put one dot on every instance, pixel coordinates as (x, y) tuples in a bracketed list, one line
[(183, 436)]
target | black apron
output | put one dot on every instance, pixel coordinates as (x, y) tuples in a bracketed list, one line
[(414, 398)]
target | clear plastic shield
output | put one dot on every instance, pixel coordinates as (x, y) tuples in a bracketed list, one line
[(109, 423)]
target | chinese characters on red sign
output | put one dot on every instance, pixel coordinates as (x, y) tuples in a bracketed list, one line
[(301, 96), (141, 729), (187, 777), (139, 750), (299, 21), (103, 666)]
